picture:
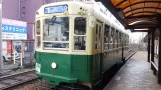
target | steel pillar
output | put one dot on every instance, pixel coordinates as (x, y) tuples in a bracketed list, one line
[(159, 59), (1, 60), (148, 46), (152, 48)]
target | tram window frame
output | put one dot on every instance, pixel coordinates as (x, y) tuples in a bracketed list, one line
[(100, 38), (38, 28), (38, 41), (59, 29), (96, 38), (111, 36), (106, 37), (38, 33), (112, 32), (116, 37), (120, 39), (128, 41), (80, 45), (84, 27), (56, 44), (124, 39)]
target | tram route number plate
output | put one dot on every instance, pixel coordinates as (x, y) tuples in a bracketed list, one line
[(38, 66)]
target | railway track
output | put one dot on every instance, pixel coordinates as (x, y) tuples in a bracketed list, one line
[(11, 81)]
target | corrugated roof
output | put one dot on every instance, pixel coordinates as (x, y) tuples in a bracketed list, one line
[(136, 10)]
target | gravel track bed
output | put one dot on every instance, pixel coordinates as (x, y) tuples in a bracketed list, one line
[(34, 86), (17, 79)]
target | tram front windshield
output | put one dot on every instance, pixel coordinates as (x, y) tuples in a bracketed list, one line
[(56, 32)]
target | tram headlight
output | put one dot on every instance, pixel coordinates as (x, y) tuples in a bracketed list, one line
[(54, 65)]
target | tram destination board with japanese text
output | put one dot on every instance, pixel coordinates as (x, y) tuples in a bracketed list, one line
[(55, 9)]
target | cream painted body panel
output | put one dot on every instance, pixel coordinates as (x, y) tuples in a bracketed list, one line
[(73, 11)]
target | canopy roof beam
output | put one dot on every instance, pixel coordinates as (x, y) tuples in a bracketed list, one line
[(108, 4), (140, 16)]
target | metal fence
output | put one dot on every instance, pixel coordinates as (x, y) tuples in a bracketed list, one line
[(15, 51)]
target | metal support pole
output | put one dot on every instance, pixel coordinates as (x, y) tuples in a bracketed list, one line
[(11, 49), (22, 48), (14, 59), (30, 48), (159, 59), (1, 60), (152, 48), (21, 60), (14, 56), (148, 46)]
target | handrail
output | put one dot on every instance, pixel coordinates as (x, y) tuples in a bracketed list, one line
[(132, 48), (155, 66)]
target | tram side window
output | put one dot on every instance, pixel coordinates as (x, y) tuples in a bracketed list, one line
[(38, 38), (116, 39), (112, 38), (80, 26), (96, 44), (124, 40), (119, 39), (106, 37), (99, 37), (38, 27), (128, 41), (80, 33)]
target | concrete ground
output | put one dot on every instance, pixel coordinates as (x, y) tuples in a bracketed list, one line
[(136, 74)]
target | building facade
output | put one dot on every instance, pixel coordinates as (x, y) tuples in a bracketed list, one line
[(23, 10)]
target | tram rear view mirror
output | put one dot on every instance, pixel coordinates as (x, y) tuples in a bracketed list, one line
[(91, 21)]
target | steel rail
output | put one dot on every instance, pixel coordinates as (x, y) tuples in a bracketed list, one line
[(20, 81)]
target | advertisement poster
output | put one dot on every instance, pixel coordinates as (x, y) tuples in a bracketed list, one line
[(9, 48)]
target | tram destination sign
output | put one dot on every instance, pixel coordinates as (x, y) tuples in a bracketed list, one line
[(55, 9), (14, 30)]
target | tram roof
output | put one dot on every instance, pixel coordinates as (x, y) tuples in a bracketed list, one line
[(133, 12)]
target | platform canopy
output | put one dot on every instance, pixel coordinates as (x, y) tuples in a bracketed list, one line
[(133, 12)]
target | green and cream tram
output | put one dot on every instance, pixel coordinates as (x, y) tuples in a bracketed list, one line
[(76, 43)]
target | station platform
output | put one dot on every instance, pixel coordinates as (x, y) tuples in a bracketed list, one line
[(136, 74)]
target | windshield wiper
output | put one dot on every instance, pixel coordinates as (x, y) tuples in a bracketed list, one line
[(53, 19)]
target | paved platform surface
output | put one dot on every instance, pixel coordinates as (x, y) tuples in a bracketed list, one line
[(135, 75)]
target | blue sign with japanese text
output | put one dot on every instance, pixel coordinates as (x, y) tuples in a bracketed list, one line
[(14, 29), (55, 9)]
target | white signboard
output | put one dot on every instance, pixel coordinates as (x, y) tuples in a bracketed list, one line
[(14, 30)]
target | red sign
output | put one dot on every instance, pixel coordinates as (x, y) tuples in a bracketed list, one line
[(9, 49)]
